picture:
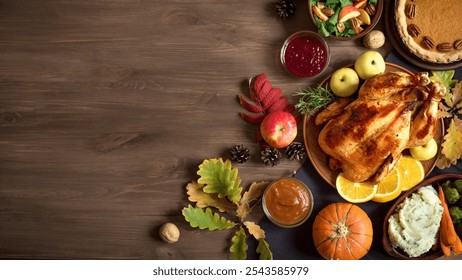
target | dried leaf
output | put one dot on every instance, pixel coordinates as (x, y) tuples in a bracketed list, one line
[(456, 96), (261, 87), (255, 191), (254, 108), (273, 95), (264, 250), (205, 219), (443, 111), (267, 100), (255, 230), (219, 177), (196, 194), (279, 105), (239, 246), (452, 141), (252, 119)]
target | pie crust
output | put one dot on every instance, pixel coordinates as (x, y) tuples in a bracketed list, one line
[(432, 30)]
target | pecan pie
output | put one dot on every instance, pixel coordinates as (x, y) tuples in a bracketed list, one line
[(432, 30)]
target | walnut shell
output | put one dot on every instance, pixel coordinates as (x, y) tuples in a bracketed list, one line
[(374, 39), (169, 233)]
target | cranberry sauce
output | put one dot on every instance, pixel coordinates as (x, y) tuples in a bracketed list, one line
[(305, 56)]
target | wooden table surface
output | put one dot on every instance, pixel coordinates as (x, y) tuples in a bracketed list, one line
[(108, 107)]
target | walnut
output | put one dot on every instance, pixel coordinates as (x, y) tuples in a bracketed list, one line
[(169, 233), (374, 39)]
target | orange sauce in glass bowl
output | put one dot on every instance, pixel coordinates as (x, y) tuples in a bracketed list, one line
[(287, 202)]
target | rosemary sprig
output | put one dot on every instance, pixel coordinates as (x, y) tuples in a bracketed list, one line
[(313, 99)]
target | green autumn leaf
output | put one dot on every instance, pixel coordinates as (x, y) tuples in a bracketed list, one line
[(239, 246), (264, 250), (219, 177), (445, 78), (205, 219)]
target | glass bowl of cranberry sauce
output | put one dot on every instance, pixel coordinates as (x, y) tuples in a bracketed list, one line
[(305, 54)]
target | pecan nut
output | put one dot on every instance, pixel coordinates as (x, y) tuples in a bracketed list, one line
[(457, 44), (340, 27), (413, 30), (427, 42), (328, 11), (410, 11), (444, 47), (370, 9)]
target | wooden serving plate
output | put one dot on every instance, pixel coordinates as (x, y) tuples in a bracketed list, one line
[(320, 160), (398, 253)]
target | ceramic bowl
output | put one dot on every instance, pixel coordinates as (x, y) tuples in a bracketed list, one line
[(396, 252), (367, 28)]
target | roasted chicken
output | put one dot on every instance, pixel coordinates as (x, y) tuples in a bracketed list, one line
[(365, 137)]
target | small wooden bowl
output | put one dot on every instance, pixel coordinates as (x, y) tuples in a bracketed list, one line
[(374, 20), (398, 253)]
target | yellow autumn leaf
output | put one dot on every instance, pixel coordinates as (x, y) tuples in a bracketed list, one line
[(254, 192), (452, 141), (196, 194), (444, 111), (255, 230), (456, 96)]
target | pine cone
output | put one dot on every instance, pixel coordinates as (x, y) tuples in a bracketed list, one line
[(270, 156), (285, 8), (296, 150), (240, 154)]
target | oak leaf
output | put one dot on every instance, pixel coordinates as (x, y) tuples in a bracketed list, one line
[(264, 250), (196, 194), (254, 192), (219, 177), (452, 144), (445, 78), (239, 246), (197, 217), (255, 230)]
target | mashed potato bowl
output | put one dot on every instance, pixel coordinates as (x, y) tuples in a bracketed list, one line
[(435, 251)]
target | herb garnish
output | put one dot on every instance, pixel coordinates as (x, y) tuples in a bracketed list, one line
[(313, 99)]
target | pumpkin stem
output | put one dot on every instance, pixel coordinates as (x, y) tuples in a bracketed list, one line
[(340, 230)]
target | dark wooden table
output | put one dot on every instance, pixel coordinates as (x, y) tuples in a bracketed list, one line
[(108, 107)]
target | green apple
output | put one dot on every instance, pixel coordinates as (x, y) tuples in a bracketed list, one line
[(425, 152), (344, 82), (369, 63)]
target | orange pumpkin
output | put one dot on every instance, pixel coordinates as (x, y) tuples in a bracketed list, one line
[(342, 231)]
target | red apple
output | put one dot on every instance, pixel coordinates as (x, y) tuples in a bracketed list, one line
[(360, 3), (279, 129), (347, 12), (319, 13)]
